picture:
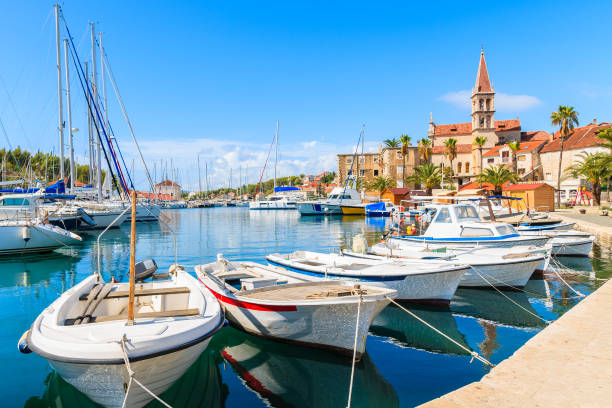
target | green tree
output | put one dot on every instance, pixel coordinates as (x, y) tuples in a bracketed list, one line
[(514, 148), (594, 168), (381, 184), (566, 118), (497, 176), (391, 143), (450, 151), (479, 142), (405, 141), (428, 175), (424, 149)]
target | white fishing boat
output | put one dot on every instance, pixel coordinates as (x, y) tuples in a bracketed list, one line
[(346, 195), (422, 281), (489, 267), (119, 343), (565, 242), (272, 302), (459, 225), (21, 236)]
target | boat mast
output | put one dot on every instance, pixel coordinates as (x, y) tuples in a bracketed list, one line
[(89, 131), (60, 126), (103, 76), (94, 85), (276, 153), (359, 161), (199, 176), (207, 188), (69, 114)]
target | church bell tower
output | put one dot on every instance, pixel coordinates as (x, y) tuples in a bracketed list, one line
[(483, 100)]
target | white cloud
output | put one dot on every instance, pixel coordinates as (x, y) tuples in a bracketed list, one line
[(306, 145), (503, 102)]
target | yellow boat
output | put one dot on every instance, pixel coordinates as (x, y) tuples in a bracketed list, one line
[(358, 209)]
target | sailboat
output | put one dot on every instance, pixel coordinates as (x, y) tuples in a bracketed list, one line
[(284, 198)]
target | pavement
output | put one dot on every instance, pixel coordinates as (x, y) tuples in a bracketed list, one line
[(568, 364)]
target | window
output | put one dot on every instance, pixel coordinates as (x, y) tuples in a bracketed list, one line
[(481, 104), (488, 104), (482, 122), (488, 121), (476, 232), (490, 161), (348, 161), (15, 201), (362, 160), (375, 160), (400, 169), (333, 196), (375, 173), (505, 156), (548, 176), (506, 230), (466, 212), (443, 216), (458, 167), (521, 171), (521, 158), (399, 154), (467, 167), (361, 172)]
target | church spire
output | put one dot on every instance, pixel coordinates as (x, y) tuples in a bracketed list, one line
[(483, 84)]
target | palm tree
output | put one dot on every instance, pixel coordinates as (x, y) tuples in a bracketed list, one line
[(497, 176), (450, 151), (391, 142), (565, 117), (479, 142), (595, 168), (428, 175), (405, 141), (381, 184), (425, 149), (514, 148)]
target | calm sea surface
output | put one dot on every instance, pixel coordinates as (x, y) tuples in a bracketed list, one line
[(406, 363)]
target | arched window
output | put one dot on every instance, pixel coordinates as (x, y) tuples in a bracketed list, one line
[(482, 122), (488, 121), (467, 167), (458, 167), (488, 104), (481, 104)]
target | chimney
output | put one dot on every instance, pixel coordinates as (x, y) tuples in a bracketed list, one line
[(595, 121), (379, 147)]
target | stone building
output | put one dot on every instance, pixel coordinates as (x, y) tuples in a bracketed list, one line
[(467, 163), (528, 165), (168, 188), (388, 162)]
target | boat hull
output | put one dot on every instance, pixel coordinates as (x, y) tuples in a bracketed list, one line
[(327, 326), (43, 238), (352, 209), (104, 219), (106, 383), (514, 274), (470, 243), (318, 209), (579, 247), (270, 205)]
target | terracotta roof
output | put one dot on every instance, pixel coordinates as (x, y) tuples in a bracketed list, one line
[(483, 84), (461, 148), (466, 128), (524, 186), (399, 191), (475, 186), (167, 183), (585, 136), (536, 135), (524, 147)]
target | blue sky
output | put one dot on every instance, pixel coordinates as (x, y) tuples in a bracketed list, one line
[(211, 78)]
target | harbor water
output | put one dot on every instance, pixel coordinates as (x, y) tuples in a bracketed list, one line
[(406, 362)]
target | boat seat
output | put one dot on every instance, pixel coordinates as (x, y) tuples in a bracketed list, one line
[(167, 313), (138, 292)]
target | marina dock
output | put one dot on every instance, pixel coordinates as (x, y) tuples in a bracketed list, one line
[(567, 364), (600, 226)]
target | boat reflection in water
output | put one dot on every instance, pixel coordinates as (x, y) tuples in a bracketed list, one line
[(284, 375), (492, 306), (406, 331), (35, 270), (200, 386)]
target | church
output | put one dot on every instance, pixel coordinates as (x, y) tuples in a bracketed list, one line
[(467, 165)]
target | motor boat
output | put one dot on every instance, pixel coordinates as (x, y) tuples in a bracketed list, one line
[(33, 235), (489, 267), (83, 335), (346, 195), (459, 225), (283, 305), (284, 198), (564, 242), (423, 281)]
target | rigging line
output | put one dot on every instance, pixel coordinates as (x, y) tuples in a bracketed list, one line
[(74, 60), (350, 173), (265, 164), (10, 99), (77, 63), (125, 115)]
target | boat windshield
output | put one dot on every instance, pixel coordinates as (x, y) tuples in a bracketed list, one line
[(333, 196), (506, 230), (466, 212), (443, 216)]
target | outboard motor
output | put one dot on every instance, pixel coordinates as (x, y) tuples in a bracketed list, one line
[(144, 269)]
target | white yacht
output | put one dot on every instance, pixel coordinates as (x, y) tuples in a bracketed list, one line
[(284, 198), (346, 195)]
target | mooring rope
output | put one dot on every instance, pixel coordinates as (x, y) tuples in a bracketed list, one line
[(473, 353), (354, 353), (132, 378), (507, 297)]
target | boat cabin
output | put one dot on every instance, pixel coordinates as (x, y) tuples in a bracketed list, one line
[(462, 221)]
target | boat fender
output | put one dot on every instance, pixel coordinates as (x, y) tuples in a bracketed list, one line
[(26, 234), (22, 345), (225, 323)]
